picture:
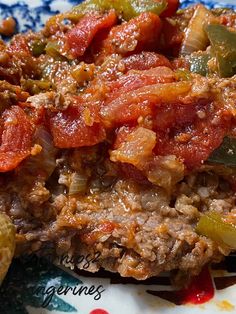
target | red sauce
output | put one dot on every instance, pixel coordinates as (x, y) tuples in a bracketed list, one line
[(200, 290), (98, 311)]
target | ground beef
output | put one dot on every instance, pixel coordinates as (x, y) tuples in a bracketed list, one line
[(139, 230)]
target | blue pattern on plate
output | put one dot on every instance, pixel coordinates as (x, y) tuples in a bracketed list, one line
[(30, 18), (29, 282)]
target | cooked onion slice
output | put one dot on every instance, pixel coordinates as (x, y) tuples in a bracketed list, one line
[(195, 36), (78, 183)]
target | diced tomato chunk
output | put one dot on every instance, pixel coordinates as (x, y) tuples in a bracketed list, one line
[(180, 63), (140, 33), (172, 38), (195, 143), (123, 105), (119, 113), (17, 132), (136, 148), (80, 37), (173, 115), (172, 7), (136, 79), (19, 44), (22, 63), (76, 127), (128, 170), (145, 61)]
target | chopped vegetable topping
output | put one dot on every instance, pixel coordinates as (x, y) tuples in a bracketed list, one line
[(136, 148), (226, 153), (69, 129), (17, 134), (7, 26), (38, 47), (223, 42), (199, 63), (213, 226), (80, 37), (128, 8), (195, 36)]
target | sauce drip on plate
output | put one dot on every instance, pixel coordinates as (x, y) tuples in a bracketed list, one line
[(199, 291)]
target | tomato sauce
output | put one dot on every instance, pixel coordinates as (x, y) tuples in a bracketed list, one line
[(199, 291)]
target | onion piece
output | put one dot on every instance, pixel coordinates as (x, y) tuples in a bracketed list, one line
[(136, 148), (44, 162), (78, 183), (150, 94), (195, 36), (165, 171), (48, 154)]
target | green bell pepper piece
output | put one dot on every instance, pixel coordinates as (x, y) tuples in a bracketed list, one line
[(127, 8), (226, 153), (38, 48), (212, 226), (53, 49), (198, 63), (223, 42), (36, 86)]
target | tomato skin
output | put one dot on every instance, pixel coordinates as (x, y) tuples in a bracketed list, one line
[(81, 36), (17, 132), (140, 33), (134, 80), (173, 115), (69, 129), (173, 38), (117, 111), (195, 143), (145, 61), (172, 7)]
